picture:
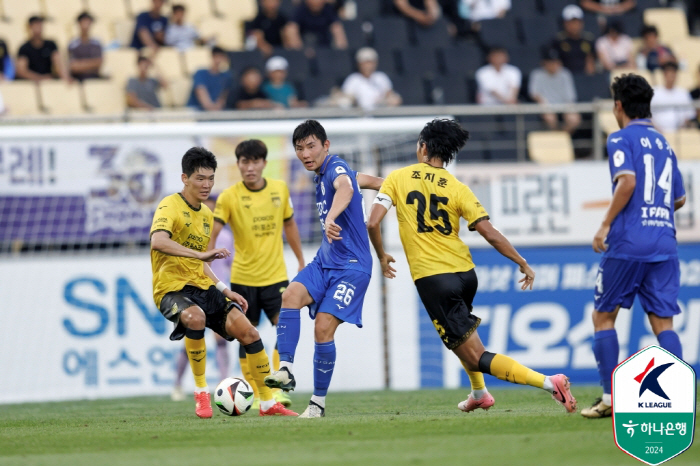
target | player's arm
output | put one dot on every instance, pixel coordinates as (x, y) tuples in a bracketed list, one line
[(623, 192), (341, 200), (221, 286), (291, 231), (369, 182), (678, 203), (218, 226), (501, 244), (380, 207), (161, 242)]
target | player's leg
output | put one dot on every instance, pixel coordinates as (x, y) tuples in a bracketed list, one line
[(270, 298), (325, 326), (658, 295), (253, 315), (222, 358), (180, 365)]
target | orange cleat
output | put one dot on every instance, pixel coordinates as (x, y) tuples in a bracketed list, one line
[(203, 405), (471, 403), (562, 393), (278, 409)]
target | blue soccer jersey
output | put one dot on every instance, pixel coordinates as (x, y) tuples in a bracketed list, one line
[(644, 230)]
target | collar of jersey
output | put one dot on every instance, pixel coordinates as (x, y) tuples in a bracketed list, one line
[(188, 204), (641, 121), (325, 164), (255, 190), (432, 166)]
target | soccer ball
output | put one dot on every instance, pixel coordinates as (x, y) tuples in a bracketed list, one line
[(233, 396)]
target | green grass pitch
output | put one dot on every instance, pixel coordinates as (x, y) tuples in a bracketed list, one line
[(525, 427)]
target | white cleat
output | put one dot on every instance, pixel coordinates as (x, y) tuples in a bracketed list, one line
[(313, 410), (177, 394)]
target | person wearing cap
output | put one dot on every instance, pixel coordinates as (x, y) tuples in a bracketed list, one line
[(368, 87), (574, 45), (38, 58), (615, 49), (277, 88), (608, 7), (671, 106), (84, 52), (554, 84), (210, 87), (653, 53)]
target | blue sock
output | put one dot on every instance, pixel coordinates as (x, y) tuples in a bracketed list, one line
[(668, 339), (606, 349), (324, 363), (288, 327)]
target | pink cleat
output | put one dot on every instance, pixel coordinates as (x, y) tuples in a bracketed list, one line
[(562, 393), (471, 403), (278, 410), (203, 405)]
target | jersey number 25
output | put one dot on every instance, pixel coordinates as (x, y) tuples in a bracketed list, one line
[(417, 197)]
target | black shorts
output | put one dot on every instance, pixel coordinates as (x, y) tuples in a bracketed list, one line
[(214, 304), (262, 298), (448, 299)]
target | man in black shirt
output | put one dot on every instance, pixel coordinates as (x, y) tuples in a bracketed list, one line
[(316, 24), (250, 95), (573, 44), (38, 59), (3, 57), (270, 27)]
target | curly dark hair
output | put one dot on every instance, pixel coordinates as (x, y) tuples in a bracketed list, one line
[(196, 158), (443, 139), (635, 93), (253, 149), (307, 129)]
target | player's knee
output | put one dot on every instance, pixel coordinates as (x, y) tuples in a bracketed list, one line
[(250, 335), (291, 298), (194, 318), (323, 331), (602, 320)]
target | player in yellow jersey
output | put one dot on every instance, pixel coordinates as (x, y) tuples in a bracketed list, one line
[(189, 294), (258, 210), (429, 203)]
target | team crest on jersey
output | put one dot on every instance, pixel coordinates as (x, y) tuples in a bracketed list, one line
[(323, 188), (276, 201), (207, 228)]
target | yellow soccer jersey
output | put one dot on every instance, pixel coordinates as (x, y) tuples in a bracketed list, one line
[(188, 227), (429, 202), (256, 219)]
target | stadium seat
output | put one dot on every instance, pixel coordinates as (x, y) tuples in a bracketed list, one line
[(21, 97), (104, 97), (463, 59), (525, 8), (229, 35), (632, 22), (550, 147), (196, 58), (58, 33), (168, 61), (435, 36), (336, 63), (420, 61), (553, 8), (236, 10), (59, 98), (123, 31), (608, 123), (355, 32), (63, 11), (178, 91), (107, 10), (119, 64), (136, 7), (671, 23), (242, 60), (538, 30), (316, 87), (525, 58), (368, 9), (688, 52), (685, 143), (499, 32), (390, 33), (411, 88), (299, 68), (196, 10), (590, 87), (684, 78), (388, 61), (452, 89), (20, 10)]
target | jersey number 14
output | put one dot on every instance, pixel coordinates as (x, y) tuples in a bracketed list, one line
[(665, 180)]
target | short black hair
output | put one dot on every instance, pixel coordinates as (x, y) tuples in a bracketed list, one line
[(216, 50), (142, 58), (307, 129), (249, 69), (649, 29), (178, 7), (35, 19), (615, 25), (84, 15), (196, 158), (253, 149), (635, 93), (670, 65), (497, 48), (443, 139)]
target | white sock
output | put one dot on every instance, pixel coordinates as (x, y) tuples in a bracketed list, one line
[(607, 399), (265, 405), (201, 389), (319, 400), (477, 394), (548, 385), (287, 364)]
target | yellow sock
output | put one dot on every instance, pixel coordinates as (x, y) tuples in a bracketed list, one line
[(475, 378), (249, 377), (259, 367), (276, 360), (508, 369), (197, 354)]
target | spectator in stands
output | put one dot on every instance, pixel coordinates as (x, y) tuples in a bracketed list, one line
[(652, 53), (150, 27), (210, 87), (615, 49), (250, 95), (5, 60), (85, 52), (554, 84), (695, 95), (316, 24), (479, 10), (573, 44), (608, 7), (180, 34), (681, 112), (277, 88), (37, 57), (498, 82), (141, 91), (423, 12), (270, 27), (368, 87)]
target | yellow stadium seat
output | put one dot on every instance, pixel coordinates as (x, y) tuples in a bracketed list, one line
[(63, 11), (119, 64), (58, 33), (671, 23), (197, 58), (111, 10), (608, 123), (196, 10), (168, 62), (21, 97), (60, 98), (124, 31), (19, 11), (688, 53), (104, 97), (227, 35), (15, 34), (237, 10), (179, 92), (550, 147), (136, 7), (644, 73), (684, 78), (685, 143)]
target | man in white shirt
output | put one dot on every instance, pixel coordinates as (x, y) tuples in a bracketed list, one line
[(498, 82), (180, 34), (478, 10), (370, 88), (681, 112)]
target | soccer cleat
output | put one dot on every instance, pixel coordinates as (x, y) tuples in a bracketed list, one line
[(203, 405), (283, 398), (256, 404), (278, 410), (177, 394), (472, 404), (597, 410), (562, 393), (313, 410), (281, 379)]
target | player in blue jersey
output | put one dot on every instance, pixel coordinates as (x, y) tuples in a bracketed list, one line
[(638, 235), (333, 285)]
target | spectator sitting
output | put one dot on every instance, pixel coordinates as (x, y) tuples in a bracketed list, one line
[(179, 34), (141, 91), (37, 57), (150, 27), (681, 112), (277, 88), (84, 52), (318, 24), (479, 10), (498, 82), (573, 44), (423, 12), (652, 52), (368, 87), (270, 27), (4, 59), (608, 7), (250, 96), (695, 94), (554, 84), (615, 49), (210, 87)]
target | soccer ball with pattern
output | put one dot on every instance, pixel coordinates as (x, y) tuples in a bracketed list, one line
[(233, 396)]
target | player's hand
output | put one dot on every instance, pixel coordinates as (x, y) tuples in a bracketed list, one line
[(387, 270), (599, 239), (208, 256), (333, 231), (529, 277), (236, 298)]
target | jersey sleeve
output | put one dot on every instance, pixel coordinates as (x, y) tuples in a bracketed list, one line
[(678, 188), (288, 206), (165, 218), (471, 209), (339, 168), (388, 189), (222, 211), (619, 156)]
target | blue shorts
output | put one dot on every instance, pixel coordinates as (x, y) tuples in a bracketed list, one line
[(657, 284), (339, 292)]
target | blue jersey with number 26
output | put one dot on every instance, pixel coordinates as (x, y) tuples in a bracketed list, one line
[(644, 230)]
